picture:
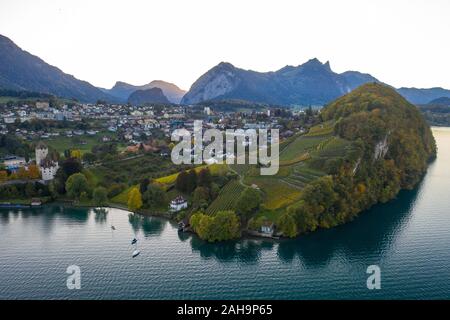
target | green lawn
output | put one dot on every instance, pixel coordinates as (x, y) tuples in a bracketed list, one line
[(62, 143)]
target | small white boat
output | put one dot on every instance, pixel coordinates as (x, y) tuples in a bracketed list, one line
[(136, 253)]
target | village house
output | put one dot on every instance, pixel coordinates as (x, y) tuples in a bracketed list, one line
[(177, 204), (13, 163), (267, 228)]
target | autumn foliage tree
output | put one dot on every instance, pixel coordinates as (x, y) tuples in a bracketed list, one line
[(134, 199), (33, 172)]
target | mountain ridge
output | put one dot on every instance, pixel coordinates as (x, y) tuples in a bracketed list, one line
[(21, 70), (313, 82)]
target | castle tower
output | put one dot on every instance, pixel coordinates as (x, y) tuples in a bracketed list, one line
[(41, 153)]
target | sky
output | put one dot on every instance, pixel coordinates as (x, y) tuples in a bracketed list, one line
[(400, 42)]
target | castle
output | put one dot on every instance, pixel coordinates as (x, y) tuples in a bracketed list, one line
[(48, 167)]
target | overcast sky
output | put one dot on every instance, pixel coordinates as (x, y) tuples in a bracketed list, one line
[(401, 42)]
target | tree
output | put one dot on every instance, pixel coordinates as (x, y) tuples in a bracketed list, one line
[(224, 225), (201, 198), (75, 153), (181, 181), (89, 157), (191, 181), (143, 185), (3, 175), (33, 172), (22, 173), (100, 196), (68, 167), (30, 190), (76, 184), (287, 225), (71, 166), (154, 196), (248, 202), (134, 199), (204, 178)]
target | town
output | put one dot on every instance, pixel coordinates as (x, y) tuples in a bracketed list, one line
[(39, 138)]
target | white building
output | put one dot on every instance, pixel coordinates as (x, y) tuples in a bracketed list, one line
[(177, 204), (47, 167)]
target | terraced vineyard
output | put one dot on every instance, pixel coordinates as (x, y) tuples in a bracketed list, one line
[(302, 175), (227, 198)]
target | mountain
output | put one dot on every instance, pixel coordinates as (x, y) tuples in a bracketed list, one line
[(423, 96), (122, 90), (312, 83), (22, 71), (152, 95), (442, 101)]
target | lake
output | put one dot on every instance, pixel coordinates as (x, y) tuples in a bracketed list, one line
[(408, 238)]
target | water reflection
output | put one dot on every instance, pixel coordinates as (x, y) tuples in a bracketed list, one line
[(101, 215), (45, 215), (371, 229), (374, 231), (371, 234), (246, 251), (150, 226)]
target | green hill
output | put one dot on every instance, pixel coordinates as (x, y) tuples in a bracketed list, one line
[(371, 144)]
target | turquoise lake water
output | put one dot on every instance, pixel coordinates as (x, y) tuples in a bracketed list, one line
[(409, 238)]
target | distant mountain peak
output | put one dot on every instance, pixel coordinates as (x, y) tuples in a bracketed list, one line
[(123, 90), (20, 70), (151, 95), (225, 64), (310, 83)]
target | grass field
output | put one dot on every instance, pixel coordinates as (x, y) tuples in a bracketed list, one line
[(61, 143)]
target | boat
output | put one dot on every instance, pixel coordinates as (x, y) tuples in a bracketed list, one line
[(133, 241), (136, 253), (112, 227), (36, 202)]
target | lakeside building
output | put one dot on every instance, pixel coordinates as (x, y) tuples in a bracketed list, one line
[(13, 163), (177, 204)]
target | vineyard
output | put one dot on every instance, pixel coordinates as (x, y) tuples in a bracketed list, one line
[(227, 198)]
